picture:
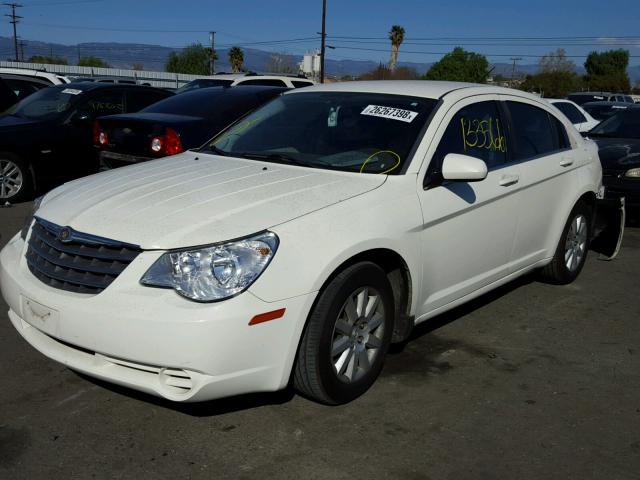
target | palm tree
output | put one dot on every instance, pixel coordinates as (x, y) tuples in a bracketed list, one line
[(236, 58), (396, 35)]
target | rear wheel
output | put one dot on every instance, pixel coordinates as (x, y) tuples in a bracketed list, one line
[(343, 348), (571, 252), (15, 178)]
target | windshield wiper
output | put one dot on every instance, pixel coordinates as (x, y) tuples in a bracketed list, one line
[(217, 151), (273, 157)]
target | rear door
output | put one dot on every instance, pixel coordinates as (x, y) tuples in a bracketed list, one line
[(546, 160), (469, 227)]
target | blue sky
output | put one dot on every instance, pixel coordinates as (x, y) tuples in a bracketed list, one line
[(431, 27)]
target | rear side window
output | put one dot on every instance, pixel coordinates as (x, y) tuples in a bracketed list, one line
[(534, 131), (573, 114), (476, 130), (142, 98), (105, 102), (265, 82), (301, 84)]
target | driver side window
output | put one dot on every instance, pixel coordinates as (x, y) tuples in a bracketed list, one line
[(476, 130)]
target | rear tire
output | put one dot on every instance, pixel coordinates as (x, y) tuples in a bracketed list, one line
[(347, 336), (15, 178), (571, 252)]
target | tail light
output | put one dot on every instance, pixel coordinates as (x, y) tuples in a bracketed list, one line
[(100, 137), (167, 144)]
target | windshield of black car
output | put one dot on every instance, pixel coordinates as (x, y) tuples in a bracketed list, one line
[(46, 104), (358, 132), (625, 124)]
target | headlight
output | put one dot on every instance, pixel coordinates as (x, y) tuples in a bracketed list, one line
[(29, 220), (213, 273), (633, 173)]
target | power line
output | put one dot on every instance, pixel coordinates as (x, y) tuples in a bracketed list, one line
[(346, 47), (14, 20)]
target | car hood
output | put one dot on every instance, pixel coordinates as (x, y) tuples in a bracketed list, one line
[(618, 153), (197, 199)]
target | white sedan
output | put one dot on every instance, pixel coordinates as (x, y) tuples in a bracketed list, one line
[(577, 115), (303, 240)]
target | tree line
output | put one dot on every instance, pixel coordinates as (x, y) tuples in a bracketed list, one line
[(557, 75)]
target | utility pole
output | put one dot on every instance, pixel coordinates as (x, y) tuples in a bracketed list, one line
[(513, 70), (14, 20), (324, 36), (212, 60), (21, 43)]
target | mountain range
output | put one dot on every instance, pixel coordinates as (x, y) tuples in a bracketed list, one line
[(154, 57)]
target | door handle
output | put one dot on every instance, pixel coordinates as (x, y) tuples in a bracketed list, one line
[(566, 162), (507, 180)]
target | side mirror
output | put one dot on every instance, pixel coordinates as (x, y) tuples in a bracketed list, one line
[(463, 168)]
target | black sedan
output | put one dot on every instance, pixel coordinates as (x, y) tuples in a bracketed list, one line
[(47, 137), (176, 124), (618, 141)]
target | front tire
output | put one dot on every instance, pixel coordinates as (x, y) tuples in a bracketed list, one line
[(571, 252), (347, 336)]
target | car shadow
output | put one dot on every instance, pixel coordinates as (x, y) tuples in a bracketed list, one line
[(200, 409), (463, 310)]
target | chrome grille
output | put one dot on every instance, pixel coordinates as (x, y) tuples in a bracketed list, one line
[(80, 263)]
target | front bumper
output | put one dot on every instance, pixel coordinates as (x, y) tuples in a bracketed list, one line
[(152, 339)]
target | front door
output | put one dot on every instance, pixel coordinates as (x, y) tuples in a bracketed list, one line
[(468, 227)]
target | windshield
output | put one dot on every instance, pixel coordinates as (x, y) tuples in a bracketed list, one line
[(46, 104), (358, 132), (625, 124)]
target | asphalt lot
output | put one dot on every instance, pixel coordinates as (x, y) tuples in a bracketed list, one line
[(531, 381)]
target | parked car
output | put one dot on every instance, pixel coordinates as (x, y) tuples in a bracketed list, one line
[(603, 110), (246, 79), (47, 137), (585, 97), (52, 78), (577, 115), (618, 139), (24, 86), (302, 240), (175, 124)]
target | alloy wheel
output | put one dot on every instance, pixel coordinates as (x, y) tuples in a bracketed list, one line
[(357, 334), (11, 179), (576, 243)]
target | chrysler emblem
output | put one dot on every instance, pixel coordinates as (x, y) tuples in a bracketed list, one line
[(65, 235)]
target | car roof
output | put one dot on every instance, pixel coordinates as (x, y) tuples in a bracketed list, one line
[(415, 88), (53, 77), (26, 78), (610, 104), (90, 86), (237, 91)]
